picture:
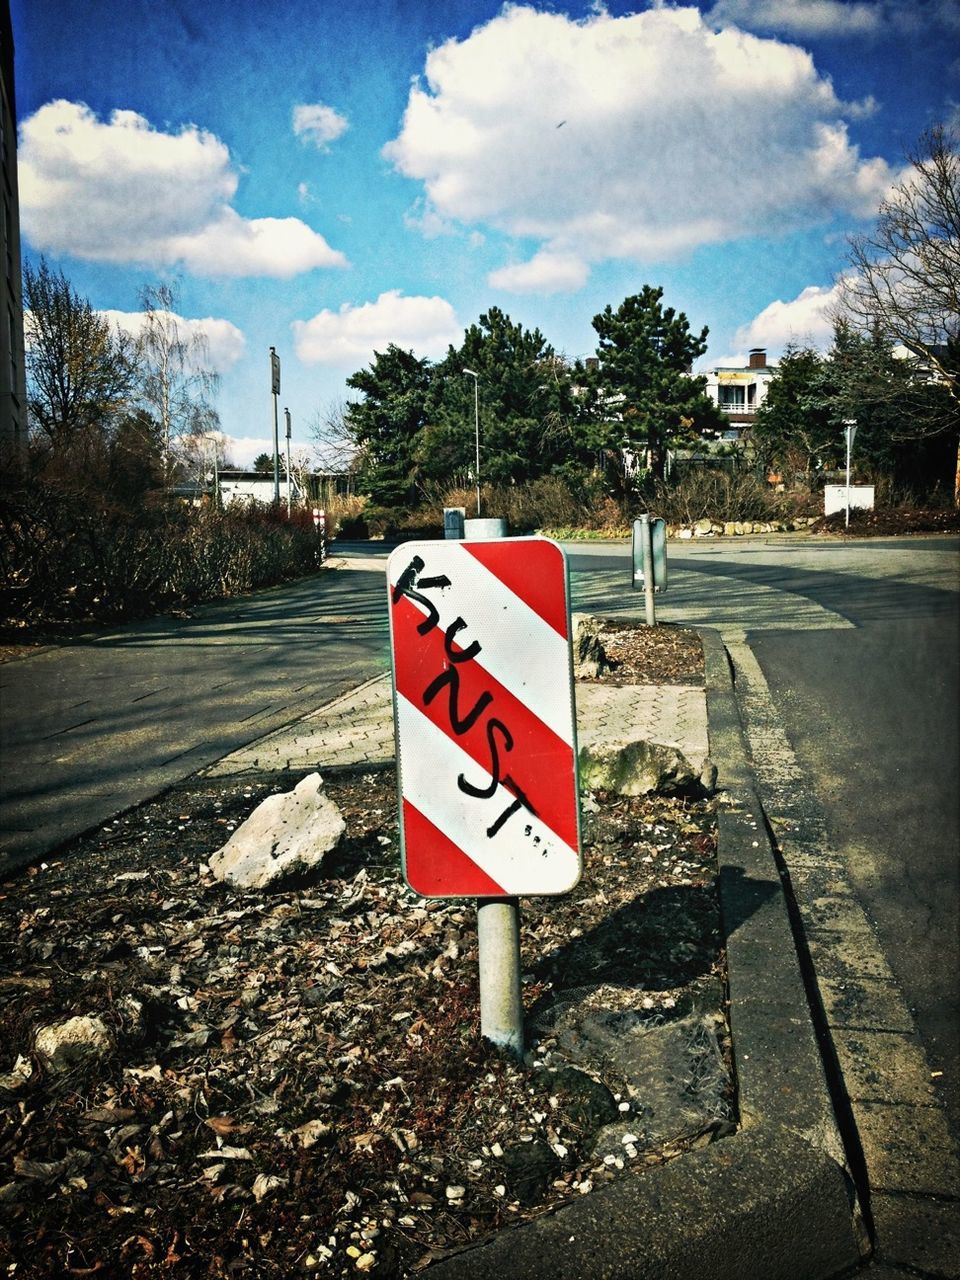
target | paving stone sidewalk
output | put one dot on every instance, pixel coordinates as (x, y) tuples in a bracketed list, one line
[(357, 728)]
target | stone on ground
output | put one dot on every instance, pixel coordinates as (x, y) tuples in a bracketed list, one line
[(63, 1045), (589, 659), (634, 768), (286, 835)]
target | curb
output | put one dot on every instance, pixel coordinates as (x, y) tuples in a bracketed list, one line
[(776, 1198)]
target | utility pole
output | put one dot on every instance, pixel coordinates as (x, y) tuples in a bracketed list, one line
[(275, 386), (476, 422), (287, 415)]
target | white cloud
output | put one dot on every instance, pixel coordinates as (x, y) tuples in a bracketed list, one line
[(637, 137), (545, 273), (318, 124), (235, 246), (241, 451), (225, 342), (804, 319), (351, 335), (124, 192), (811, 19)]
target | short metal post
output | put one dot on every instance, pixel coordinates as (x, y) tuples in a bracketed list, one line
[(646, 545), (498, 925), (501, 1003)]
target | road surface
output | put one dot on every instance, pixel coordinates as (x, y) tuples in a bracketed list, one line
[(858, 642), (90, 728)]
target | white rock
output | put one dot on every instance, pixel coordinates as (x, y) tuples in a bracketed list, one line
[(64, 1044), (285, 835), (632, 768)]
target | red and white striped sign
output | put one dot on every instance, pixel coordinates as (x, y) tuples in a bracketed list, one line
[(485, 718)]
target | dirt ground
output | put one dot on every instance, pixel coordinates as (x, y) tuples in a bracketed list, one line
[(890, 523), (293, 1082)]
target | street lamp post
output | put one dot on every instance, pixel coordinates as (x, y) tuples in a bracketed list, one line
[(476, 419)]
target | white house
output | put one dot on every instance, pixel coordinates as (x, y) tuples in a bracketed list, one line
[(740, 390), (255, 486)]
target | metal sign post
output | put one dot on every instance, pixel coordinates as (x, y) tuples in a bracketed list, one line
[(486, 740), (649, 560), (850, 431)]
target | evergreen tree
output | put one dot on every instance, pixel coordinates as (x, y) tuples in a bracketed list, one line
[(647, 395), (524, 394), (386, 424), (795, 427)]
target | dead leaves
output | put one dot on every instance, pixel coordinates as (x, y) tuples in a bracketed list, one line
[(306, 1063)]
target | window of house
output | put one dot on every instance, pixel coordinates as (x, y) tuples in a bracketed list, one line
[(732, 397)]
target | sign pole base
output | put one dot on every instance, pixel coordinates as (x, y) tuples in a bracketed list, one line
[(501, 1002)]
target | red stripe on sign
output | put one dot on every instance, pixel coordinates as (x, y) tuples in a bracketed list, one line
[(485, 720), (435, 867), (531, 570)]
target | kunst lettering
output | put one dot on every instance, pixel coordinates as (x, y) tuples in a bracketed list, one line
[(461, 718)]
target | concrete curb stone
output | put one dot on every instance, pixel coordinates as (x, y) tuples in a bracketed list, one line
[(775, 1199)]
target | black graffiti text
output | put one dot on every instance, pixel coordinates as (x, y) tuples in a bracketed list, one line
[(500, 741)]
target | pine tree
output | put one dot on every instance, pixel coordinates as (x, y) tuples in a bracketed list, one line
[(648, 397)]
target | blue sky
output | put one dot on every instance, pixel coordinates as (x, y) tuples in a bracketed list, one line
[(330, 177)]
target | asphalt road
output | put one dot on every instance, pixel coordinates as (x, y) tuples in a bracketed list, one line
[(90, 728), (858, 642)]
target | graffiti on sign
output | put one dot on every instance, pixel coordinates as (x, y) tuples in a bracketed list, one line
[(413, 586)]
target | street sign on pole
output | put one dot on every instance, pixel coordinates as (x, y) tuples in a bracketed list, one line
[(485, 718), (658, 549), (650, 561)]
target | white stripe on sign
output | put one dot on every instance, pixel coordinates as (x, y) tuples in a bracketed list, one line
[(523, 654), (524, 856)]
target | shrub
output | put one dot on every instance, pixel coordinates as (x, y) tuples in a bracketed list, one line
[(345, 516), (710, 494), (65, 562)]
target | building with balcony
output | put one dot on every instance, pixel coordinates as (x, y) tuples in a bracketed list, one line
[(740, 390)]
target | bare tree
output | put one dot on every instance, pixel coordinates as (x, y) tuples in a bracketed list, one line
[(80, 371), (904, 286), (202, 455), (905, 279), (302, 466), (178, 385), (333, 443)]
